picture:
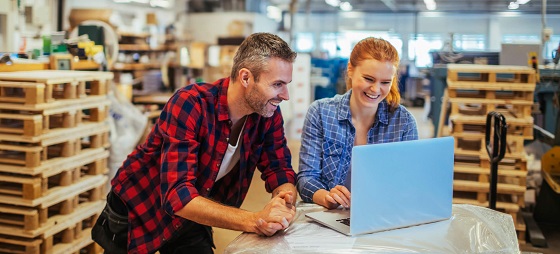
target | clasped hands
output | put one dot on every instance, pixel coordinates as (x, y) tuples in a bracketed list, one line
[(277, 215)]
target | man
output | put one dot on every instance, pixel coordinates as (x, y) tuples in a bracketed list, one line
[(196, 165)]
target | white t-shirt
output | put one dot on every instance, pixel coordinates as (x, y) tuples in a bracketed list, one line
[(231, 157)]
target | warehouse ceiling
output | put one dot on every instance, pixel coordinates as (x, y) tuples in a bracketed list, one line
[(407, 6)]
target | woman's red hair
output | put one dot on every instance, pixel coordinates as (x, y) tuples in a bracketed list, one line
[(380, 50)]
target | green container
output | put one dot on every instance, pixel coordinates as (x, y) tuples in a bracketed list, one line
[(47, 45)]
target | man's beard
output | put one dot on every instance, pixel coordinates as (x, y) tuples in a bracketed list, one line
[(254, 99)]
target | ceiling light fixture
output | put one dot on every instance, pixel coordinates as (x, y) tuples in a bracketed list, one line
[(523, 1), (430, 4), (345, 6), (513, 6), (333, 3)]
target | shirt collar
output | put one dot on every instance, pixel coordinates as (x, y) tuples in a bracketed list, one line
[(223, 108), (382, 115)]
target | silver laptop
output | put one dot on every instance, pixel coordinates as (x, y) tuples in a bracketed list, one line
[(396, 185)]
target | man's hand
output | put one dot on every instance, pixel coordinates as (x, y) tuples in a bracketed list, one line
[(276, 215)]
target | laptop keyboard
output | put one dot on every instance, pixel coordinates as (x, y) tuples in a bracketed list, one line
[(344, 221)]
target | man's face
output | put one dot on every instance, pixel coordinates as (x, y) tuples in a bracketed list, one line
[(263, 97)]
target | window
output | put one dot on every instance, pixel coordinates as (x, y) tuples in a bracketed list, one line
[(552, 44), (520, 38), (419, 48), (469, 42), (304, 42), (341, 44)]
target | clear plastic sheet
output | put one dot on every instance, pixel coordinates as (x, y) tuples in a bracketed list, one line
[(471, 229)]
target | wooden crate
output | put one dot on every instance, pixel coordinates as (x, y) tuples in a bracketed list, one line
[(32, 218), (26, 122), (47, 86), (15, 150)]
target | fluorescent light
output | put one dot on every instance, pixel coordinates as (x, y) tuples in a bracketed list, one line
[(345, 6), (430, 4), (513, 6), (274, 12), (333, 3), (523, 1), (160, 3)]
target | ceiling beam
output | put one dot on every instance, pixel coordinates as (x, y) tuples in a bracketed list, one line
[(390, 4)]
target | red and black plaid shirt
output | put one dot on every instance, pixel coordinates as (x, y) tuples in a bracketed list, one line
[(181, 159)]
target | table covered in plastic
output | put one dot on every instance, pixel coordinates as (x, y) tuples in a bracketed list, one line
[(471, 229)]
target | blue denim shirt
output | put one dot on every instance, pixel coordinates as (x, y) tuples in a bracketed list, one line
[(328, 137)]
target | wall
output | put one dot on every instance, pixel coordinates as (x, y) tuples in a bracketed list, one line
[(13, 27), (130, 15), (207, 27)]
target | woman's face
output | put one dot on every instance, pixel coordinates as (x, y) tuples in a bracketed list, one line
[(371, 82)]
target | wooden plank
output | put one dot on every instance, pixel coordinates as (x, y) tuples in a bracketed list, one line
[(486, 171), (525, 87), (502, 188), (508, 207), (490, 101), (477, 68)]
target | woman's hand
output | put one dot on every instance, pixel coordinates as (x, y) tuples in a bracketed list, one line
[(339, 195)]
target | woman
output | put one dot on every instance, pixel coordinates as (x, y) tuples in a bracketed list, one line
[(368, 113)]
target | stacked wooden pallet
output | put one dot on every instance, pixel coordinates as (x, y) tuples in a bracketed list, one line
[(474, 91), (53, 159)]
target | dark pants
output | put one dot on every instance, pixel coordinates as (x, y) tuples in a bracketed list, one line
[(111, 232)]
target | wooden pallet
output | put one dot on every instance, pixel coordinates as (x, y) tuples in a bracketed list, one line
[(75, 235), (491, 74), (39, 87), (475, 142), (474, 190), (483, 161), (505, 175), (33, 187), (82, 244), (58, 194), (19, 245), (57, 165), (35, 123), (69, 233), (481, 107), (516, 126), (19, 153), (475, 93), (39, 220)]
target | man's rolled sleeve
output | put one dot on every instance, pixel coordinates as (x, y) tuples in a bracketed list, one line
[(179, 153)]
